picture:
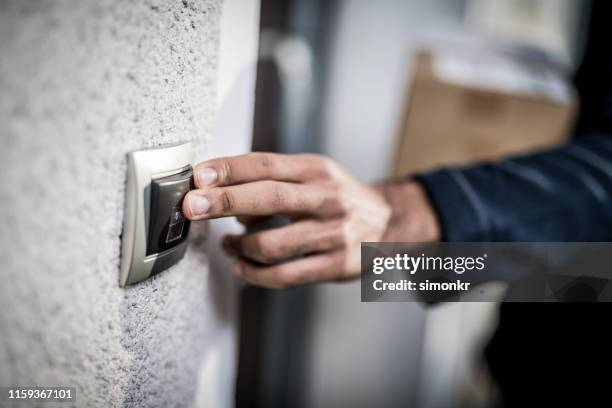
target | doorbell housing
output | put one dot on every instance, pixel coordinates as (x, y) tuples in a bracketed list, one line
[(154, 227)]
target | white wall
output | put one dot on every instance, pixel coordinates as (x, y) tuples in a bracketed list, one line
[(81, 84)]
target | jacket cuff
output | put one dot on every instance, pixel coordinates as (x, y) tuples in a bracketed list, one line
[(457, 206)]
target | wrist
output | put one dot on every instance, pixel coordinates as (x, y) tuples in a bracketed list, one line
[(413, 218)]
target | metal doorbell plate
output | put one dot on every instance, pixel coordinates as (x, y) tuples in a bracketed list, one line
[(154, 228)]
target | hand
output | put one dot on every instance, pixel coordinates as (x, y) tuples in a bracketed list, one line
[(330, 211)]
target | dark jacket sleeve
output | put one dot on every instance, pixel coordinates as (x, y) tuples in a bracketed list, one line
[(563, 194)]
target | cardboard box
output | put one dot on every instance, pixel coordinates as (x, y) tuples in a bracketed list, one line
[(471, 106)]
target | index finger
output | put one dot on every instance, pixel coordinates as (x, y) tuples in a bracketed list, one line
[(225, 171)]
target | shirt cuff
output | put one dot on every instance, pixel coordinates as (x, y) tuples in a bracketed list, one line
[(457, 206)]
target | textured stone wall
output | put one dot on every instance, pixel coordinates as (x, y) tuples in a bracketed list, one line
[(81, 84)]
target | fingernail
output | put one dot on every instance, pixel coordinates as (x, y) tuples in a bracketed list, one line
[(207, 176), (198, 205)]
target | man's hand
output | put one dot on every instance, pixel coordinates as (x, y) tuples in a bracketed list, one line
[(330, 211)]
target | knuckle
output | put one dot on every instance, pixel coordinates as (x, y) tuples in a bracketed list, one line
[(265, 250), (333, 202), (300, 247), (265, 161), (227, 202), (275, 247), (333, 235), (321, 166), (328, 168), (279, 196), (326, 161), (225, 171)]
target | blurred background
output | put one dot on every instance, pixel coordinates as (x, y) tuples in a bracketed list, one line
[(387, 88)]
